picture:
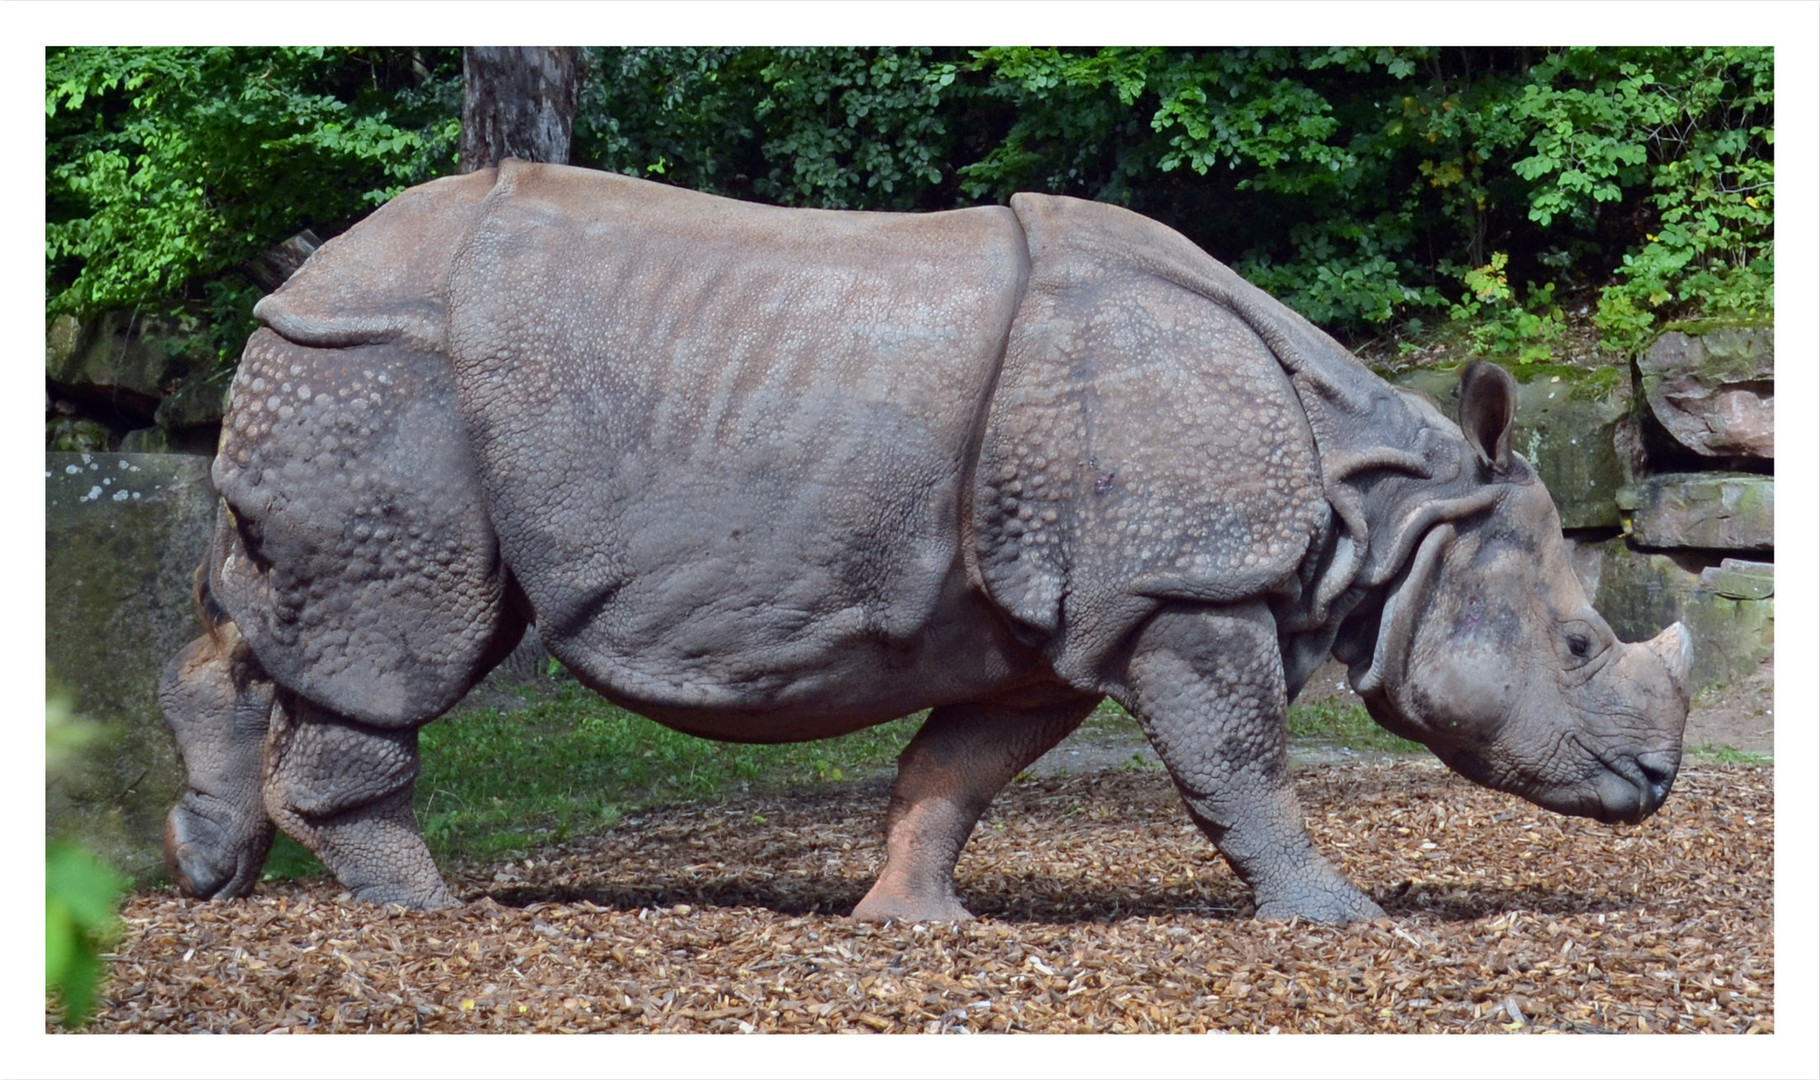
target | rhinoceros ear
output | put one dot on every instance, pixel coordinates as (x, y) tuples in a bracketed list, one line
[(1488, 403)]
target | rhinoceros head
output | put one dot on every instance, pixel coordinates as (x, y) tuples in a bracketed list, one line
[(1488, 652)]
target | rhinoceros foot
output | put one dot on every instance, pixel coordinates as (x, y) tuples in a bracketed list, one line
[(1333, 906), (417, 898), (878, 908), (343, 790)]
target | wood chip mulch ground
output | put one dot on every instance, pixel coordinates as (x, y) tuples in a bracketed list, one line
[(1103, 910)]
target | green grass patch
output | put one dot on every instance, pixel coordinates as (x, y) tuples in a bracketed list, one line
[(1347, 724), (1336, 722), (568, 763), (1727, 755)]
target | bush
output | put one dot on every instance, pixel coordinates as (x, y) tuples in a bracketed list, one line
[(1360, 185), (170, 167), (81, 893)]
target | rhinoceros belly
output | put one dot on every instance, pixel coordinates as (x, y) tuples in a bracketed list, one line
[(723, 446)]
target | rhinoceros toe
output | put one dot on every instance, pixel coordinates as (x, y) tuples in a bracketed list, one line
[(1323, 906), (910, 909)]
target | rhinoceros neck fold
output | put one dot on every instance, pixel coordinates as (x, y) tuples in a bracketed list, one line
[(386, 279)]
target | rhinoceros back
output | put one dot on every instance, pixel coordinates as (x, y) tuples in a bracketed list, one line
[(724, 445)]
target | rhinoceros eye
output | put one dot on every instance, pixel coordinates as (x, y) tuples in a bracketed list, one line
[(1581, 643)]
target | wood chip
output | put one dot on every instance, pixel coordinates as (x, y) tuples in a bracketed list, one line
[(1102, 910)]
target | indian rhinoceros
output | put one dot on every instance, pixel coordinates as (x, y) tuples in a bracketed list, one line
[(769, 474)]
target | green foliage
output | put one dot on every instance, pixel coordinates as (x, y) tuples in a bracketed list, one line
[(1501, 328), (842, 128), (1726, 754), (169, 167), (1693, 128), (81, 893), (1359, 185), (1345, 723), (80, 896)]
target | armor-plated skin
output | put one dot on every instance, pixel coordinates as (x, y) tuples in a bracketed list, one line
[(769, 475)]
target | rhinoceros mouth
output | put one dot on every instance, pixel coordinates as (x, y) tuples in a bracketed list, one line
[(1623, 790), (1633, 787), (1618, 789), (210, 851)]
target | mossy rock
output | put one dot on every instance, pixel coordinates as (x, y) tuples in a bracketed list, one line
[(1714, 511), (1729, 607), (1569, 425), (1712, 388), (70, 435), (123, 535)]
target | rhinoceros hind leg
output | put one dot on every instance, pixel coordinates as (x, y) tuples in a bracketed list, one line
[(218, 703), (343, 790), (950, 771), (1207, 686)]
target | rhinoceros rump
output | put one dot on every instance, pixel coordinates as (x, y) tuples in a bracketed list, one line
[(770, 475)]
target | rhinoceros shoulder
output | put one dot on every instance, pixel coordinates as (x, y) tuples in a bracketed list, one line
[(1144, 439)]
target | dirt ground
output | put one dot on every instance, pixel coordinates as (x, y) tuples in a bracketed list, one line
[(1741, 716), (1102, 909)]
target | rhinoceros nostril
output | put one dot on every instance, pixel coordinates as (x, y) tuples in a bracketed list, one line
[(1659, 773)]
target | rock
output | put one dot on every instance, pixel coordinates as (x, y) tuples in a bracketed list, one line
[(1741, 579), (1718, 511), (62, 341), (1640, 593), (109, 355), (151, 440), (1713, 390), (74, 435), (275, 266), (123, 536), (119, 365), (1569, 426), (199, 401)]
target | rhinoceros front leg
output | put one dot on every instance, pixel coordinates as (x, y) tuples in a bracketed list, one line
[(218, 703), (960, 759), (343, 790), (1207, 686)]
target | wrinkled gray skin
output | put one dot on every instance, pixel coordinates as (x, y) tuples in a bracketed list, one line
[(769, 475)]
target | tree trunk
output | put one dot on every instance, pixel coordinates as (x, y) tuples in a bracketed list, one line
[(518, 103)]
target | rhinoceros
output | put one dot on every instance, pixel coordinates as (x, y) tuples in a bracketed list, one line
[(769, 474)]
